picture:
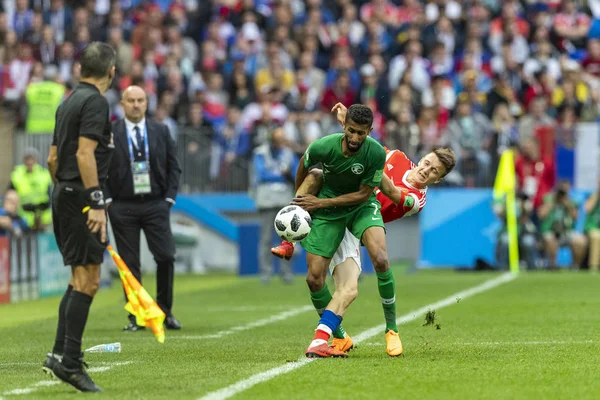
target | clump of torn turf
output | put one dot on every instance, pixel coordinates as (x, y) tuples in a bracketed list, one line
[(429, 318)]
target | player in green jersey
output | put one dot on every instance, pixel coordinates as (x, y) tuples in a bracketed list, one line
[(352, 164)]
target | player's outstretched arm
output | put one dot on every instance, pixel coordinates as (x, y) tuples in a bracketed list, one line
[(392, 192), (340, 111)]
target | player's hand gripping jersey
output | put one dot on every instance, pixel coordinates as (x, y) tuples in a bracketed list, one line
[(397, 167)]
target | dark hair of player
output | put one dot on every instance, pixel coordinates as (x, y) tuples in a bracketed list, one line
[(96, 60), (447, 158), (360, 114)]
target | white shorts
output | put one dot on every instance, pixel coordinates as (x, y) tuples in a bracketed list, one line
[(349, 248)]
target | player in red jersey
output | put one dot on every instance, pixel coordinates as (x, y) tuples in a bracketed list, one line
[(402, 193)]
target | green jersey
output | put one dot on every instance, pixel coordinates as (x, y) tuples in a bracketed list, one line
[(592, 220), (343, 175)]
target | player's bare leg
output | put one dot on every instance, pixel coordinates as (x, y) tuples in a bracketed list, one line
[(374, 240), (345, 276), (310, 185), (329, 322)]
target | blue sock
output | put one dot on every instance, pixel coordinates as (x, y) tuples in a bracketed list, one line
[(330, 320)]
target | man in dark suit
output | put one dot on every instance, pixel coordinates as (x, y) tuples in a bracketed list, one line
[(141, 188)]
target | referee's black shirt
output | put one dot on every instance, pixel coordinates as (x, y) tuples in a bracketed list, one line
[(83, 113)]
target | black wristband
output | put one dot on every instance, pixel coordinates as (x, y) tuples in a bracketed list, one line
[(95, 198)]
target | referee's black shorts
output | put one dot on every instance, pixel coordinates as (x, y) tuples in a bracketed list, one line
[(77, 244)]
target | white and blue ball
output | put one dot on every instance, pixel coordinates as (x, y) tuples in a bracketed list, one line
[(292, 223)]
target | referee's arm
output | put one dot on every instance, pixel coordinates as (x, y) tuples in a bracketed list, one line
[(53, 158), (94, 116)]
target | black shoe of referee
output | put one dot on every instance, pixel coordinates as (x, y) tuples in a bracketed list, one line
[(76, 377)]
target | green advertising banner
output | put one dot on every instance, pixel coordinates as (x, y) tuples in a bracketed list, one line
[(53, 276)]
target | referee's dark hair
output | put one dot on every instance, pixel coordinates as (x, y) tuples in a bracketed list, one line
[(96, 60)]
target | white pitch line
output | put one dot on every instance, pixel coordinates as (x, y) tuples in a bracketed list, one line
[(245, 384), (515, 343), (42, 384), (528, 343), (261, 322)]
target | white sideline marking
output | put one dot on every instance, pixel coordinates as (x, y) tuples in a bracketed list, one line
[(46, 383), (251, 308), (42, 384), (533, 342), (245, 384), (261, 322), (515, 343), (12, 364)]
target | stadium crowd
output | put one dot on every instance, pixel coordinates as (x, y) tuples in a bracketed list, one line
[(477, 75)]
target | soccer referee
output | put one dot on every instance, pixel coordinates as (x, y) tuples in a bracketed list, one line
[(78, 162)]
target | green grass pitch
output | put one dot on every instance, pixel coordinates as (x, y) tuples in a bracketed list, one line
[(535, 337)]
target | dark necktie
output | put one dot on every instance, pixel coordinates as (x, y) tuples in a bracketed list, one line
[(140, 140)]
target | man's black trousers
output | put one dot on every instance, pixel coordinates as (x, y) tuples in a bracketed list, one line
[(127, 219)]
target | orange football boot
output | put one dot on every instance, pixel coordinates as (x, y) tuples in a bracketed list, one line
[(343, 345), (393, 343)]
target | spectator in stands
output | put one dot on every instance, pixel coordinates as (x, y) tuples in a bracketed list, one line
[(526, 233), (22, 19), (302, 126), (33, 185), (123, 49), (42, 99), (535, 118), (413, 61), (59, 17), (469, 134), (33, 35), (505, 129), (198, 137), (557, 216), (10, 221), (403, 133), (274, 170), (47, 50), (536, 175), (571, 26)]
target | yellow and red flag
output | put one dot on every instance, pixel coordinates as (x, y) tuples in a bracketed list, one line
[(147, 312)]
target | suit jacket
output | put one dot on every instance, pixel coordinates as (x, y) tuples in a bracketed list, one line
[(164, 167)]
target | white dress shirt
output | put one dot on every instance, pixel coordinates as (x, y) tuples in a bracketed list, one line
[(130, 129)]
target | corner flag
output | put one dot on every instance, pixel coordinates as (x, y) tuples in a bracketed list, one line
[(505, 186), (146, 311)]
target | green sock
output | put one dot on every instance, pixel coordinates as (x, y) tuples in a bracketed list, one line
[(320, 300), (387, 292)]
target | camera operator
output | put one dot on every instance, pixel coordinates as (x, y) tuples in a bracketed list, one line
[(557, 216), (526, 232), (10, 222)]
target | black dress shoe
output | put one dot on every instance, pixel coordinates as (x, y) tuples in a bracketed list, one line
[(172, 323), (133, 327)]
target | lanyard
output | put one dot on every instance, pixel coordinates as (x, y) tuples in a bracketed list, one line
[(130, 143)]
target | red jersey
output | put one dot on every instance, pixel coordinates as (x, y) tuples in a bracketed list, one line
[(397, 167)]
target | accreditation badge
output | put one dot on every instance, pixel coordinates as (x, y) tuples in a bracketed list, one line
[(141, 177)]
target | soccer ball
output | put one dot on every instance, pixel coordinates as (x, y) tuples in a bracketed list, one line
[(292, 223)]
